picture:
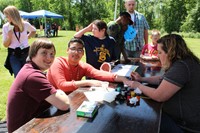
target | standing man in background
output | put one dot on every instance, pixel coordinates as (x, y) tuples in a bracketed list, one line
[(133, 48), (116, 29)]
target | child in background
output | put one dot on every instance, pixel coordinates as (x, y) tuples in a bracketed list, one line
[(149, 51)]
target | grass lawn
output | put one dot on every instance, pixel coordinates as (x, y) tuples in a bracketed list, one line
[(61, 44), (6, 79)]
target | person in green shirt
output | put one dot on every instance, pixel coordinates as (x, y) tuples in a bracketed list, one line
[(116, 29)]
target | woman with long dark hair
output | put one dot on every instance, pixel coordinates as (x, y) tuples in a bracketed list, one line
[(178, 88)]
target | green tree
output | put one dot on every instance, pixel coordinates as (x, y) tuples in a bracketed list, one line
[(24, 5), (90, 10), (173, 14), (5, 3), (192, 22)]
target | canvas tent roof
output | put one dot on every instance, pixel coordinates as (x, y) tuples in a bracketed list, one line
[(43, 14), (24, 14)]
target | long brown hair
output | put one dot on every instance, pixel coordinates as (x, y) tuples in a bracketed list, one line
[(176, 48), (16, 19)]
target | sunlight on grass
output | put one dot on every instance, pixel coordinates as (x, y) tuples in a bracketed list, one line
[(5, 77), (194, 45)]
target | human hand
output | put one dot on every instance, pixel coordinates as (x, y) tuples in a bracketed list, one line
[(95, 83), (11, 27), (9, 35), (132, 84), (135, 76), (89, 27)]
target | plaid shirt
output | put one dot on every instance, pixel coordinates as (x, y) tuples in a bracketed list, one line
[(140, 24)]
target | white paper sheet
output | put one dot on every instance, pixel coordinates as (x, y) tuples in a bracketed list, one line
[(100, 94), (124, 70)]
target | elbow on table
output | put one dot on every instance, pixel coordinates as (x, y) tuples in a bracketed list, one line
[(64, 107)]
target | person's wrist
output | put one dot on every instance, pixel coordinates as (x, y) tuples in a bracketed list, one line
[(140, 79), (139, 85), (136, 84)]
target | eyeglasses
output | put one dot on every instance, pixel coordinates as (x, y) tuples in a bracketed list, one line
[(76, 50)]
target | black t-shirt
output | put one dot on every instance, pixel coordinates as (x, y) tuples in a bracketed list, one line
[(98, 50), (184, 106)]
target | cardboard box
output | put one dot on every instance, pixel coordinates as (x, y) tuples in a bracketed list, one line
[(87, 109)]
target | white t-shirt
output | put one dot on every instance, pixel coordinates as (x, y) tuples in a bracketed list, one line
[(132, 16)]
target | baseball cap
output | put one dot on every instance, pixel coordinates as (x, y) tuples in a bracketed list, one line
[(126, 14)]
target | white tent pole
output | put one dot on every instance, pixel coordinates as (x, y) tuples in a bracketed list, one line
[(115, 13), (45, 26)]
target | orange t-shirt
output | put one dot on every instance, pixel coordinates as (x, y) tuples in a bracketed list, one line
[(62, 75)]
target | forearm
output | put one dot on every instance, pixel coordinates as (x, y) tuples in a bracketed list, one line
[(67, 86), (148, 91), (82, 83), (120, 79), (151, 80), (70, 86), (80, 33), (59, 100), (31, 34), (160, 93), (146, 36), (7, 42), (7, 39)]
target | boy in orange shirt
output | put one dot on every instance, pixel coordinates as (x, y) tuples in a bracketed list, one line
[(66, 72)]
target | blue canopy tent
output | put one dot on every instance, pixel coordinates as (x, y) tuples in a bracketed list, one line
[(24, 14), (42, 14)]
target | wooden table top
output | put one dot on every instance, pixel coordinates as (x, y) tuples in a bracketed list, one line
[(110, 118)]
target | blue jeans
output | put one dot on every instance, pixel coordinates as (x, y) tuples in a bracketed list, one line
[(168, 125), (17, 63)]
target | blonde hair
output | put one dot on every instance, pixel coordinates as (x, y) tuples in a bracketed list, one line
[(16, 19), (155, 32)]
